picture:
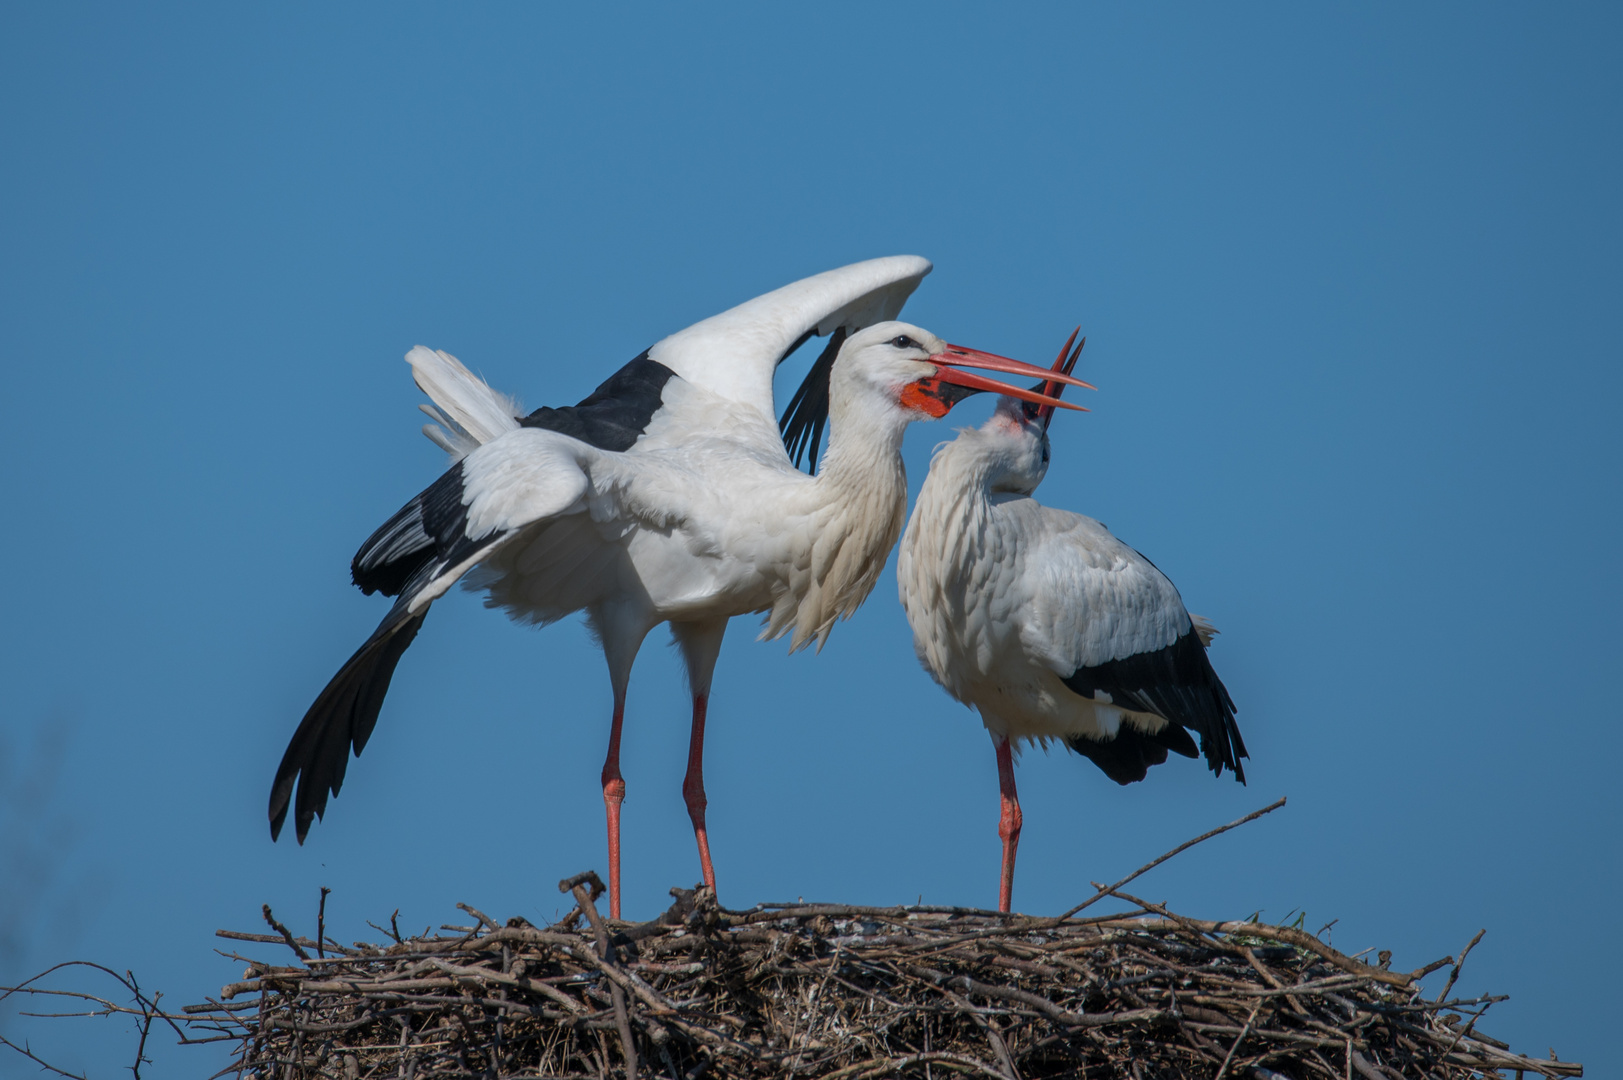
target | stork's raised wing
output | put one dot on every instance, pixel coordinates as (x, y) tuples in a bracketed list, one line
[(1115, 630), (735, 353), (731, 355)]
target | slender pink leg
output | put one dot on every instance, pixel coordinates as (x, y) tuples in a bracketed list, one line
[(693, 789), (614, 793), (1008, 824)]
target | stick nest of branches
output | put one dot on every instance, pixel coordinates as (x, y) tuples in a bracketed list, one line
[(843, 992)]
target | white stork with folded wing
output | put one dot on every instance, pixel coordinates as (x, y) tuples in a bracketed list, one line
[(1046, 623), (666, 496)]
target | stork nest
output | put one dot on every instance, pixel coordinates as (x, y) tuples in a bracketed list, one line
[(838, 991), (827, 990)]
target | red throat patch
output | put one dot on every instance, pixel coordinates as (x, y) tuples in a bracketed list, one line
[(926, 396)]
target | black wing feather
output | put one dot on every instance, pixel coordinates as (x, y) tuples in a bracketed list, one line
[(1179, 685), (807, 413), (424, 528), (342, 716), (614, 416), (427, 537)]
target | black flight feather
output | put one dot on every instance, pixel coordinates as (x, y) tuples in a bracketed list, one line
[(427, 537), (1176, 683), (341, 717), (799, 341), (802, 423), (426, 526)]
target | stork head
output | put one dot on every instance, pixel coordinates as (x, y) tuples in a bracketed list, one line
[(1011, 448), (913, 374), (1015, 439)]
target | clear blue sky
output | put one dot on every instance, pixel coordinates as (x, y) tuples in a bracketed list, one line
[(1351, 284)]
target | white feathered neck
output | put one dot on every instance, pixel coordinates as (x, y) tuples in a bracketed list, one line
[(852, 515), (955, 525)]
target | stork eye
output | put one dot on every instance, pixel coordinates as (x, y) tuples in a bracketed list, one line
[(902, 341)]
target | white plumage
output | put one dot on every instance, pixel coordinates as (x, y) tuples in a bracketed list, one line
[(1047, 624), (665, 496)]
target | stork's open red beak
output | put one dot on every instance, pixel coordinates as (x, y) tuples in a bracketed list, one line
[(950, 385), (1051, 385)]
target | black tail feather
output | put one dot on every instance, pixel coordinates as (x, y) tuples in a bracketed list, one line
[(1127, 756), (342, 717)]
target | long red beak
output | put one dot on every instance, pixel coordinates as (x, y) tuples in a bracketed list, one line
[(959, 356), (1051, 386), (950, 385)]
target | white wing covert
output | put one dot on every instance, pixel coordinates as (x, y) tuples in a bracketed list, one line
[(1092, 598), (1115, 630)]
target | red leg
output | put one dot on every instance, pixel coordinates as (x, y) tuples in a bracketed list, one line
[(614, 793), (1009, 821), (693, 789)]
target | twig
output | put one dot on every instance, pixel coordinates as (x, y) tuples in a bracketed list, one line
[(146, 1023), (1290, 936), (1454, 975), (485, 920), (993, 1037), (583, 897), (287, 935), (1185, 846), (321, 922), (1238, 1039), (29, 1054), (394, 927)]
